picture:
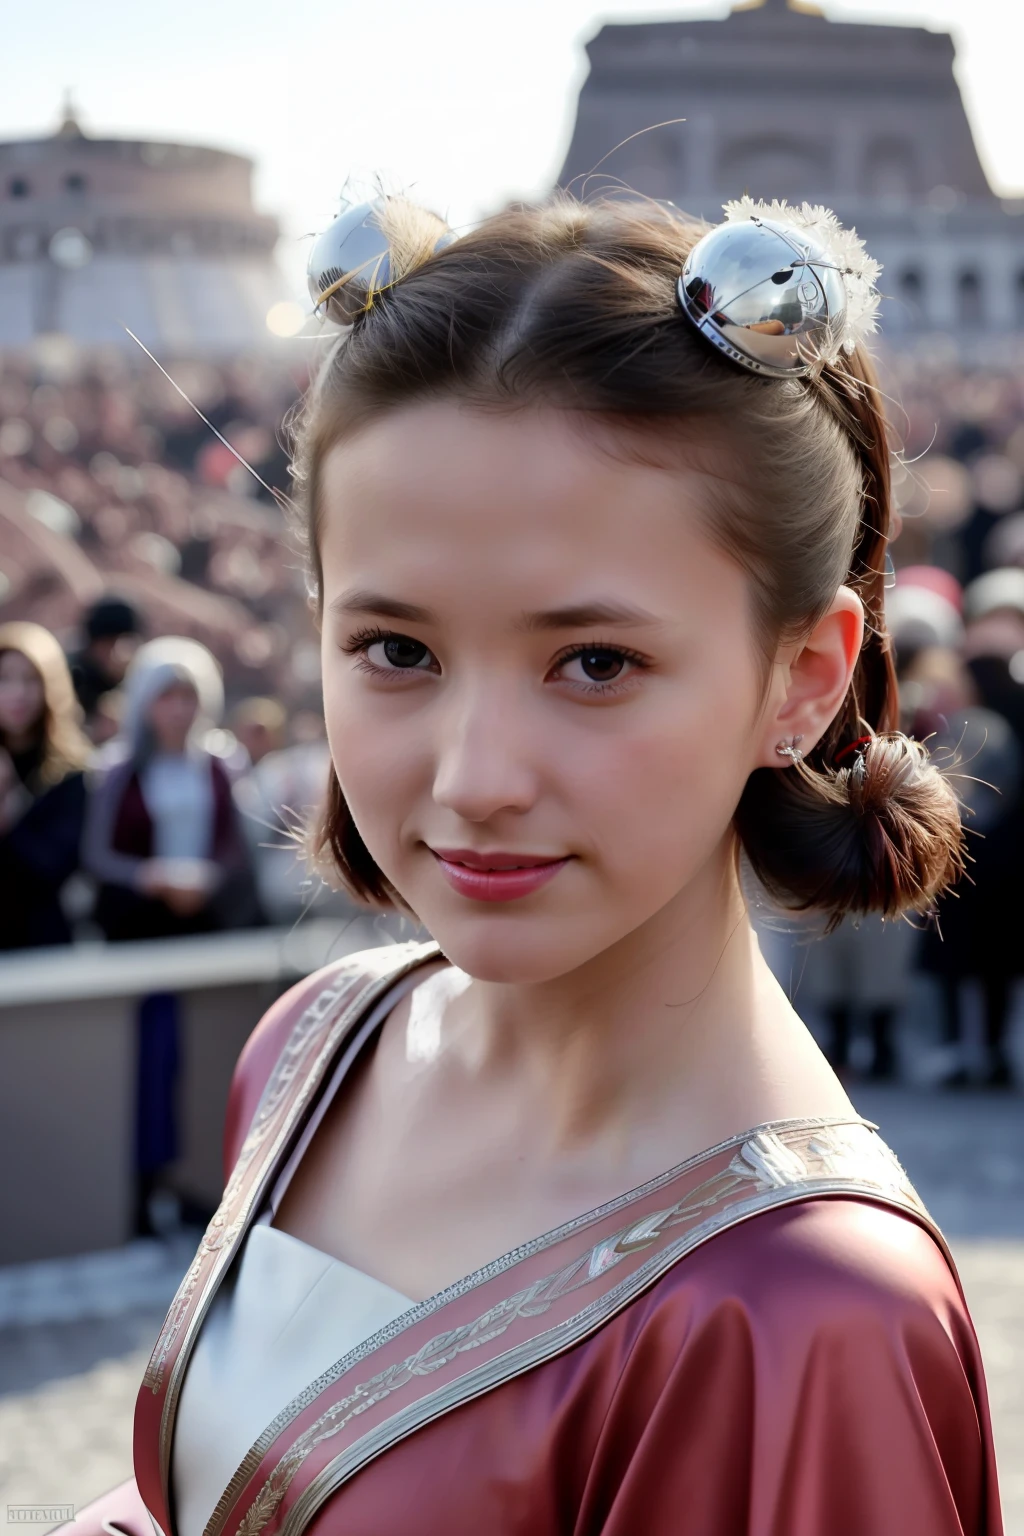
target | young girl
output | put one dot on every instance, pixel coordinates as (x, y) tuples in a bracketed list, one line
[(563, 1224)]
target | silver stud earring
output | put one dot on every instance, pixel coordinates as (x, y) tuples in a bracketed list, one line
[(791, 749)]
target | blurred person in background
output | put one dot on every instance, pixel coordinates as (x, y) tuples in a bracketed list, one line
[(279, 799), (162, 836), (977, 935), (259, 725), (923, 609), (163, 840), (994, 642), (112, 633), (42, 793), (859, 973)]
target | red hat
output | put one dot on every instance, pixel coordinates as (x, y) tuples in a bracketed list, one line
[(934, 579)]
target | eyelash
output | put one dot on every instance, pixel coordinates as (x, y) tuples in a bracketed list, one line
[(618, 684), (359, 644)]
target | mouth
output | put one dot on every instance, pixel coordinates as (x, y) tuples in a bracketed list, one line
[(496, 876)]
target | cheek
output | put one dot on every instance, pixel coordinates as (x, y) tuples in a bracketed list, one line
[(661, 794), (659, 801), (374, 751)]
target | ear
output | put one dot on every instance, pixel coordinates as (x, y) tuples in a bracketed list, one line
[(810, 679)]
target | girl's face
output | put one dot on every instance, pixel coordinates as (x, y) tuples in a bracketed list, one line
[(22, 699), (542, 693), (171, 715)]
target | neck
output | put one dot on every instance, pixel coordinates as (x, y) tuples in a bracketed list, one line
[(676, 1003)]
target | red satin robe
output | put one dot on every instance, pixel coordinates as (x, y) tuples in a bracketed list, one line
[(767, 1341)]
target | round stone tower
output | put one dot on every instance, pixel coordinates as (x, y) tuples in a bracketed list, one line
[(99, 234)]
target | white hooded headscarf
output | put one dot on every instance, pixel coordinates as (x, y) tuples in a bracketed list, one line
[(156, 666)]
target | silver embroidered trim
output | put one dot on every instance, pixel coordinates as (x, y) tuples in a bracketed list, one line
[(839, 1157), (376, 970), (534, 1351), (219, 1231), (489, 1271)]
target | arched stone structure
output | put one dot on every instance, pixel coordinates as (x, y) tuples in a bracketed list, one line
[(779, 101)]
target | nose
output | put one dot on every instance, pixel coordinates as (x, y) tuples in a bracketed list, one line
[(483, 761)]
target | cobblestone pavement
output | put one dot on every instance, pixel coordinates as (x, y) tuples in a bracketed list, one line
[(75, 1334)]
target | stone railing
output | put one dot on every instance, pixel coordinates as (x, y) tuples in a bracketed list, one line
[(68, 1054)]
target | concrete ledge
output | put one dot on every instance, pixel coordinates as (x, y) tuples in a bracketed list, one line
[(68, 1068), (72, 973)]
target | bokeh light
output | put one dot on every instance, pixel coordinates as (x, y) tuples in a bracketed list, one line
[(285, 318)]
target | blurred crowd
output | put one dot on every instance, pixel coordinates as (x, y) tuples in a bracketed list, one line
[(110, 481), (124, 521), (179, 823), (955, 609), (161, 740)]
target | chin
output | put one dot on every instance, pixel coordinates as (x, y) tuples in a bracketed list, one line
[(514, 948)]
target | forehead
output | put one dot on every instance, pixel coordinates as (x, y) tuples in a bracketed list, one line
[(507, 496), (176, 688)]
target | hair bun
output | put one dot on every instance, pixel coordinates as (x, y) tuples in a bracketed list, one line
[(880, 835), (370, 247)]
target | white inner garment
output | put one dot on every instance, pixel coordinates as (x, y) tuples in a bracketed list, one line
[(288, 1314), (178, 790), (283, 1315)]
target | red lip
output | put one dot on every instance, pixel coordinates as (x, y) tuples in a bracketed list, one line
[(495, 876)]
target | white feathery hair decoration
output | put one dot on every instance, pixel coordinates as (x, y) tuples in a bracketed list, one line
[(843, 247)]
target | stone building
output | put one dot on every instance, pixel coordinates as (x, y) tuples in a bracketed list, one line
[(98, 234), (778, 101)]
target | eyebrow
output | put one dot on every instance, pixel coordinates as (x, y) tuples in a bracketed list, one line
[(359, 601), (586, 616), (575, 616)]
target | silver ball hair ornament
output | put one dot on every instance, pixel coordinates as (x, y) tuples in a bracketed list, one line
[(767, 294), (350, 263)]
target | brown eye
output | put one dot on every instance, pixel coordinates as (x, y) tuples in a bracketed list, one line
[(400, 653), (595, 664), (601, 666)]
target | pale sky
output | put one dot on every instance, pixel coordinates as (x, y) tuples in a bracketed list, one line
[(462, 104)]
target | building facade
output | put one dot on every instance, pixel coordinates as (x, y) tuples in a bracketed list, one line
[(778, 101), (99, 234)]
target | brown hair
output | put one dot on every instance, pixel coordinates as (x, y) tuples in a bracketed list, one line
[(575, 305), (63, 748)]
